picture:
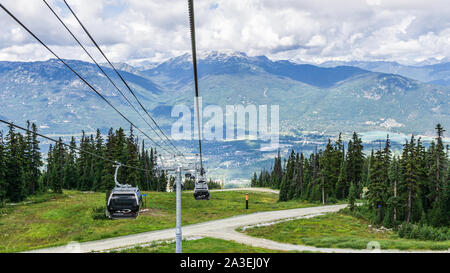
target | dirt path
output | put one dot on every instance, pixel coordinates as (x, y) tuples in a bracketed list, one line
[(191, 230), (232, 235)]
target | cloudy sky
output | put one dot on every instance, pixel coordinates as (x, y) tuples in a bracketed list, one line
[(406, 31)]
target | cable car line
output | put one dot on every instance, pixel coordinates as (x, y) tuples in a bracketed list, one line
[(194, 62), (120, 76), (79, 76), (201, 189), (101, 69), (74, 147)]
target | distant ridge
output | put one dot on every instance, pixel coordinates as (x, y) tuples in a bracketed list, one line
[(239, 63), (434, 73)]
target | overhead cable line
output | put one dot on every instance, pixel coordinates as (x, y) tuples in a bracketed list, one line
[(101, 69), (74, 147), (80, 77), (194, 62), (120, 76)]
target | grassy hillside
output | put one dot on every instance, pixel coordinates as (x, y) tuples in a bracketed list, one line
[(51, 220), (338, 231), (204, 245)]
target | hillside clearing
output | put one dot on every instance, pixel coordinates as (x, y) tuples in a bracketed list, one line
[(52, 220), (336, 230)]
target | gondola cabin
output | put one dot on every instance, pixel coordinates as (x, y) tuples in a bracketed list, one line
[(124, 202), (201, 190)]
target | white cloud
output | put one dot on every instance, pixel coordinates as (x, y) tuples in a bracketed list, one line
[(373, 2), (307, 30)]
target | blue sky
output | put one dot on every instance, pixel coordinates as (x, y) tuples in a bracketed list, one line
[(134, 31)]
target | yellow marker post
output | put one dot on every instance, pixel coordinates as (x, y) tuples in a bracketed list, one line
[(246, 201)]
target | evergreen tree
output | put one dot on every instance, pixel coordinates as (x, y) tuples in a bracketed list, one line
[(395, 178), (120, 153), (409, 169), (300, 176), (306, 188), (27, 161), (254, 180), (329, 170), (70, 171), (355, 159), (145, 164), (36, 161), (90, 168), (447, 196), (277, 172), (352, 196), (291, 175), (337, 157), (14, 166), (162, 182), (283, 189), (82, 164), (366, 171), (133, 175), (107, 181), (422, 179), (3, 184), (98, 163), (438, 166), (48, 167), (386, 163), (56, 174), (377, 186), (341, 185)]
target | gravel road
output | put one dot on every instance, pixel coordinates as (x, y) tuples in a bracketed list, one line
[(202, 229)]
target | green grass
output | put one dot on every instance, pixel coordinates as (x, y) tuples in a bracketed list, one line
[(338, 231), (51, 220), (204, 245)]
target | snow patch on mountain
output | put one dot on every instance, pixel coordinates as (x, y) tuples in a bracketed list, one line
[(222, 55), (211, 56)]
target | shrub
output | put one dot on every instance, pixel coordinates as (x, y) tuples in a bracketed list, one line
[(98, 213), (214, 185), (423, 232), (362, 212), (332, 200)]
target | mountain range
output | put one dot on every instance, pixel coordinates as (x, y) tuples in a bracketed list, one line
[(311, 98)]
